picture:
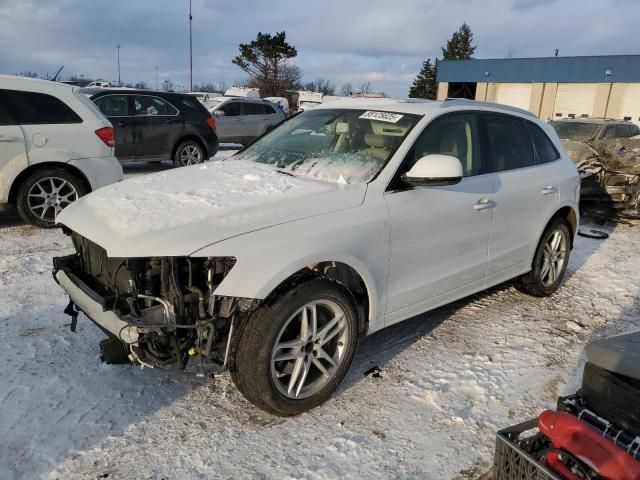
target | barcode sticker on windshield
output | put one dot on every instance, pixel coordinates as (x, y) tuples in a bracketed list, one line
[(382, 116)]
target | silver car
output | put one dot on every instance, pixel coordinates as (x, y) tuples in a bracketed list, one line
[(241, 120)]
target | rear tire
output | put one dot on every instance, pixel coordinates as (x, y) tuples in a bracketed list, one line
[(45, 192), (189, 152), (313, 361), (549, 262)]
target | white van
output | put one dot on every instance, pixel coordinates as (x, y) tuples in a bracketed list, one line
[(55, 147), (245, 92)]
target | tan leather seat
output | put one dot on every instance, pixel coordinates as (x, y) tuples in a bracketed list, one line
[(376, 146)]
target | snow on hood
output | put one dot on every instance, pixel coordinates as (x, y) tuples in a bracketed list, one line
[(180, 211)]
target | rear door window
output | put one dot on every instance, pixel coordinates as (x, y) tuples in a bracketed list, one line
[(269, 110), (113, 105), (31, 108), (545, 150), (508, 143), (231, 109), (150, 106), (5, 116), (622, 131), (253, 109)]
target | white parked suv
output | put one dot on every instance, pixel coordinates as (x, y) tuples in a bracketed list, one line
[(55, 147), (343, 220)]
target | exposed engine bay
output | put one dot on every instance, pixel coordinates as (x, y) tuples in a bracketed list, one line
[(166, 310)]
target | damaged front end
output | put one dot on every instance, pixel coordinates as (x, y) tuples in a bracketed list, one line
[(157, 311), (611, 175)]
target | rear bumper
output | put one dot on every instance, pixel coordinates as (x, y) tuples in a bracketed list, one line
[(100, 171), (86, 300)]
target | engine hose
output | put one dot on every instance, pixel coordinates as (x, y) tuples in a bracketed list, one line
[(595, 234)]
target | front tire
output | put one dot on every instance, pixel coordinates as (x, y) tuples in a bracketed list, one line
[(294, 351), (189, 152), (550, 261), (45, 193)]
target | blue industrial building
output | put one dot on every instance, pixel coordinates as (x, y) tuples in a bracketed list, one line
[(550, 87)]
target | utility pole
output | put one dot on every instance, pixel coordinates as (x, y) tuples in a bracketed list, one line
[(119, 82), (190, 51), (156, 77)]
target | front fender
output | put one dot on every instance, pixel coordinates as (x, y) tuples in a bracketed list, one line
[(266, 258)]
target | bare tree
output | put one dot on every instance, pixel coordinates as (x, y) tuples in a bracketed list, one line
[(320, 85), (346, 89), (365, 87), (141, 85), (168, 86)]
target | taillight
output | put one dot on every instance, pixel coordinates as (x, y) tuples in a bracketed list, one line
[(106, 135), (212, 123)]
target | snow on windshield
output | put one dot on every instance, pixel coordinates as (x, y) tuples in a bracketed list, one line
[(334, 145)]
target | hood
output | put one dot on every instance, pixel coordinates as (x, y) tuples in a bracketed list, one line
[(576, 151), (180, 211)]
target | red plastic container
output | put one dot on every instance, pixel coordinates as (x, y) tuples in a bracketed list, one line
[(568, 433)]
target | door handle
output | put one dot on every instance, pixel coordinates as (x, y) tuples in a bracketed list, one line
[(484, 204), (549, 190), (168, 121), (122, 124), (4, 139)]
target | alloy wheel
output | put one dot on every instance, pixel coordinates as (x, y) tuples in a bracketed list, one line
[(47, 197), (190, 155), (554, 256), (309, 349)]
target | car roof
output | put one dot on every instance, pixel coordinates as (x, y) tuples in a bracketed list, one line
[(419, 106), (129, 91), (14, 82), (594, 120)]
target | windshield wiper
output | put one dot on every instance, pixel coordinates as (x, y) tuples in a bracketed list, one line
[(284, 172)]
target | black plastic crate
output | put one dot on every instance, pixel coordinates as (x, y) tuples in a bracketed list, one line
[(514, 447)]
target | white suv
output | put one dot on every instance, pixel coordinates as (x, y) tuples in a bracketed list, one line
[(343, 220), (56, 146)]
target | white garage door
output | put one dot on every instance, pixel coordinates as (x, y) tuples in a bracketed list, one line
[(575, 99), (514, 94), (631, 103)]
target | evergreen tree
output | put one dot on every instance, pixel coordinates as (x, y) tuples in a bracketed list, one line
[(459, 45), (265, 60), (425, 85)]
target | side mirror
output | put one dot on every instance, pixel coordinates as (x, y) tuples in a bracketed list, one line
[(219, 113), (434, 170)]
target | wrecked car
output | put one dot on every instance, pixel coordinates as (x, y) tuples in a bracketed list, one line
[(576, 133), (610, 175), (343, 220)]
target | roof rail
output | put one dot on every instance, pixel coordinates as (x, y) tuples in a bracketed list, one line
[(452, 102)]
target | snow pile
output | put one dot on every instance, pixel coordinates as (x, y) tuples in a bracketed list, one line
[(215, 191)]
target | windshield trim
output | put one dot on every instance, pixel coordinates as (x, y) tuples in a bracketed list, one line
[(418, 117)]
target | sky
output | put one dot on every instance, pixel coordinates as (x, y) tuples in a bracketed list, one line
[(380, 42)]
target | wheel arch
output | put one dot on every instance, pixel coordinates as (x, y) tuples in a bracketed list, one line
[(348, 272), (22, 176), (566, 213), (186, 137)]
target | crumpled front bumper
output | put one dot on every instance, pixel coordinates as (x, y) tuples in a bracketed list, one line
[(85, 299)]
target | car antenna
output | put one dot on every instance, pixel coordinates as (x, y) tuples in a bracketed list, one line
[(55, 77)]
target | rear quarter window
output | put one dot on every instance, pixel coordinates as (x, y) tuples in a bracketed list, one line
[(32, 108), (545, 150)]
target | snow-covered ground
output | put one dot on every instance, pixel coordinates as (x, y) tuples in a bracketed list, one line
[(450, 379)]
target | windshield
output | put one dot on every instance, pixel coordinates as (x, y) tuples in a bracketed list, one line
[(335, 145), (576, 131)]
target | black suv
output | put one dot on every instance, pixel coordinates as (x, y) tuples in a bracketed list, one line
[(152, 126)]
